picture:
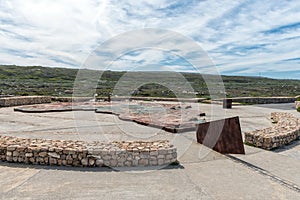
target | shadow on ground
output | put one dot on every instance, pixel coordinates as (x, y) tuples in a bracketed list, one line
[(92, 169)]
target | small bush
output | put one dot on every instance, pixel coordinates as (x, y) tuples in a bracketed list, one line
[(298, 109)]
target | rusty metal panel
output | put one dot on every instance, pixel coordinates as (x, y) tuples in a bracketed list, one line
[(223, 136)]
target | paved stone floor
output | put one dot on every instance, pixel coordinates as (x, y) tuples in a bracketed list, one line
[(202, 174)]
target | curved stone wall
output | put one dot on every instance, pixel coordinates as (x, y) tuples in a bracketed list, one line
[(285, 130), (80, 153)]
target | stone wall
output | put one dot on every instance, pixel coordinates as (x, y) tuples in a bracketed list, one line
[(80, 153), (124, 98), (285, 130), (297, 104), (23, 100), (71, 99), (264, 100)]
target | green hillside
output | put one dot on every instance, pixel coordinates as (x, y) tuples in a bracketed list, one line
[(37, 80)]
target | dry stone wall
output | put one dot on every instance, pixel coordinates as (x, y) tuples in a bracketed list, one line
[(23, 100), (71, 99), (264, 100), (80, 153), (285, 130)]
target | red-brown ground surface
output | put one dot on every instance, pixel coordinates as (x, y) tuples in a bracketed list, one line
[(173, 117)]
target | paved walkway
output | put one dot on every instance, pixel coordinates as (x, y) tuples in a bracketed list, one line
[(202, 174)]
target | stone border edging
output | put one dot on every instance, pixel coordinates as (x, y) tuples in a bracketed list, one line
[(286, 130), (84, 154)]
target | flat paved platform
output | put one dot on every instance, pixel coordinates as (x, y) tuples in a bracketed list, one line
[(202, 173)]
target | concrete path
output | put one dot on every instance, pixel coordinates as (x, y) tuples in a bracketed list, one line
[(202, 173)]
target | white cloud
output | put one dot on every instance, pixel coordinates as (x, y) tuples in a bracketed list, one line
[(240, 36)]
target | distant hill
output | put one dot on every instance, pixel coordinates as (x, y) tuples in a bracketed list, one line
[(37, 80)]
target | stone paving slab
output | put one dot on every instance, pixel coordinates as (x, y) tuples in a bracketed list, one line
[(213, 177), (279, 165), (224, 179)]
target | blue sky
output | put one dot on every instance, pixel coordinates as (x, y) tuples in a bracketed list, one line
[(251, 38)]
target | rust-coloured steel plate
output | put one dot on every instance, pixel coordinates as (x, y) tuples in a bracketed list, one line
[(223, 136)]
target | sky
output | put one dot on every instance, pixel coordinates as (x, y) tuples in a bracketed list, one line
[(249, 38)]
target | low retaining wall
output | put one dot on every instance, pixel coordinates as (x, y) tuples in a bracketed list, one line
[(285, 130), (71, 99), (23, 100), (80, 153), (121, 98), (264, 100)]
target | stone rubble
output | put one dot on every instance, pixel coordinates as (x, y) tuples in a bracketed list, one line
[(80, 153), (285, 130)]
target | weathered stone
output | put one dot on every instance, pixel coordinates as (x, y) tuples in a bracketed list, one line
[(15, 159), (161, 161), (169, 156), (16, 153), (52, 161), (143, 162), (69, 162), (91, 162), (153, 162), (54, 155), (43, 154), (9, 153), (28, 154), (99, 162), (128, 163), (113, 163), (40, 159), (84, 161), (12, 147), (135, 162), (64, 162), (69, 157), (106, 163)]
